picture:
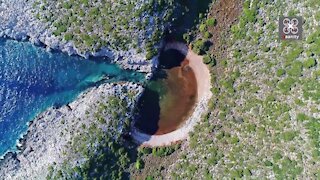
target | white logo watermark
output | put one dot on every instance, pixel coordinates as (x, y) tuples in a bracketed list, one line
[(290, 28)]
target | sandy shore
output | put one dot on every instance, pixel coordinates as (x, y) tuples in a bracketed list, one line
[(202, 74)]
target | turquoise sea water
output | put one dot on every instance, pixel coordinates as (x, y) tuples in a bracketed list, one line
[(32, 80)]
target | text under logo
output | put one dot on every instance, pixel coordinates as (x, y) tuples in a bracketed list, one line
[(290, 28)]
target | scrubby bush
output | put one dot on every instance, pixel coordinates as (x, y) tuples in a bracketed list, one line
[(268, 163), (200, 46), (60, 29), (280, 72), (202, 27), (207, 35), (295, 69), (286, 85), (151, 53), (311, 62), (277, 156), (186, 37), (68, 36), (67, 5), (250, 15), (145, 150), (301, 117), (294, 54), (289, 135), (164, 151), (266, 49), (211, 22), (238, 32), (207, 59), (139, 164)]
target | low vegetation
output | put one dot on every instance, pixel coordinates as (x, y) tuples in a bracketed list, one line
[(265, 100), (91, 25), (263, 120), (99, 151)]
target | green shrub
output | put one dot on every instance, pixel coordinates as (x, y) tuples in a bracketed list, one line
[(295, 69), (247, 172), (202, 27), (67, 5), (289, 135), (228, 84), (268, 163), (163, 151), (238, 32), (207, 35), (280, 72), (277, 156), (60, 29), (207, 59), (313, 127), (311, 62), (139, 164), (234, 140), (200, 47), (211, 22), (68, 36), (286, 85), (149, 178), (301, 117), (266, 49), (186, 37), (236, 174), (293, 12), (145, 150), (94, 12), (294, 54), (151, 53), (250, 15), (224, 63)]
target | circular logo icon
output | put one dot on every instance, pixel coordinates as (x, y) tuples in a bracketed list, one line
[(290, 26)]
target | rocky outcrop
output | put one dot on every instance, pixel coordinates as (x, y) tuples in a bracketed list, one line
[(49, 136), (18, 21)]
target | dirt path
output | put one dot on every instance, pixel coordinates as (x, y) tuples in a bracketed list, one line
[(202, 75)]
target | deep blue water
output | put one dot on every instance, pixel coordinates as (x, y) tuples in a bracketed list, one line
[(32, 80)]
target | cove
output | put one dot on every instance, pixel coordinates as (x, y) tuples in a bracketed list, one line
[(169, 96), (32, 79)]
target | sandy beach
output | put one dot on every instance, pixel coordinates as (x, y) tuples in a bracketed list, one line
[(202, 75)]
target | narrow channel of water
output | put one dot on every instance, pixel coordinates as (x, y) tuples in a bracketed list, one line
[(31, 80)]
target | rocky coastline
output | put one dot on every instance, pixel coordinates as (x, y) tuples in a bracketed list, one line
[(18, 21), (43, 144), (49, 134)]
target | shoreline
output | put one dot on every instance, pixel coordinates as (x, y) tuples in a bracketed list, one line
[(19, 23), (42, 144), (202, 75), (20, 142), (17, 143)]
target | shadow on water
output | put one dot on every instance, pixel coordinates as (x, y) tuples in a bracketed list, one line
[(149, 111), (149, 105), (170, 58)]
